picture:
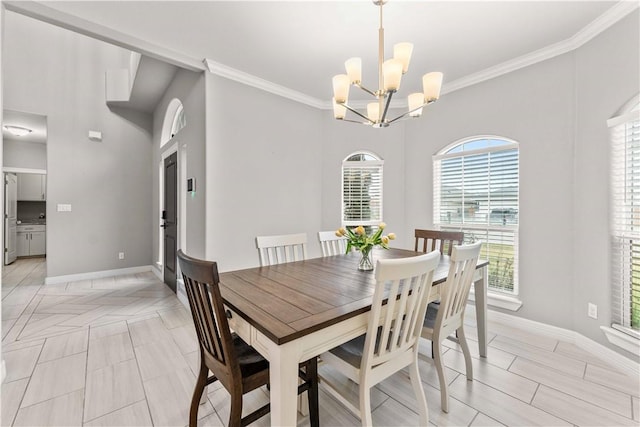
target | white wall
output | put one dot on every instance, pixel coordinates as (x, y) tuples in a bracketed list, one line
[(60, 74), (25, 154), (264, 171)]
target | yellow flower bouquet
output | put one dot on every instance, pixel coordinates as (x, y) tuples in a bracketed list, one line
[(358, 238)]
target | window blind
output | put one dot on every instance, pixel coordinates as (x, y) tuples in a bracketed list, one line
[(476, 191), (362, 192), (625, 219)]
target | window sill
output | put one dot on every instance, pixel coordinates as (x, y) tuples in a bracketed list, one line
[(497, 300), (622, 340)]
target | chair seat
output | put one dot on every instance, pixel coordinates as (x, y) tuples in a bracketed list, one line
[(251, 362), (351, 351), (432, 313)]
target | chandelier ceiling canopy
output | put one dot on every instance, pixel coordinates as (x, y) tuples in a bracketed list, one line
[(390, 74)]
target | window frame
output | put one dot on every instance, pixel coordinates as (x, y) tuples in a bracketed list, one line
[(444, 154), (621, 224), (376, 165)]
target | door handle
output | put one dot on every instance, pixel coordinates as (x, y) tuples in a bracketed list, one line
[(163, 225)]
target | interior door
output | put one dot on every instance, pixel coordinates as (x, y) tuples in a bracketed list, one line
[(10, 216), (170, 222)]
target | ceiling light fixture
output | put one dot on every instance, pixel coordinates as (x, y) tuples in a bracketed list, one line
[(389, 75), (17, 130)]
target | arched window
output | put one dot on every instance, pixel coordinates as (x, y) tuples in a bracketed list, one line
[(362, 189), (174, 120), (625, 217), (476, 187)]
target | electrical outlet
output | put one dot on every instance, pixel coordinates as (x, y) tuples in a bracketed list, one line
[(121, 255), (593, 310)]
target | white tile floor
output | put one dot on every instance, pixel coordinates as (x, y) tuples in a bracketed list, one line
[(121, 351)]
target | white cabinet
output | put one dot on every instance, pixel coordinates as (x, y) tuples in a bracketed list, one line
[(32, 187), (31, 240), (22, 246)]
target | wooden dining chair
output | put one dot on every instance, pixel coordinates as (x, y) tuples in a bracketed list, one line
[(332, 244), (233, 362), (430, 240), (447, 316), (282, 248), (391, 341)]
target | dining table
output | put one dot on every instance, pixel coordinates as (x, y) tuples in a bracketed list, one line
[(294, 311)]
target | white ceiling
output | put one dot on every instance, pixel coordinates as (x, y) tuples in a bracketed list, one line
[(301, 44)]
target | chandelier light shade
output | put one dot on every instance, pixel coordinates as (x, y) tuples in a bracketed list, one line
[(390, 74)]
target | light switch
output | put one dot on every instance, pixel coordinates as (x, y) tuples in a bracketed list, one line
[(64, 207)]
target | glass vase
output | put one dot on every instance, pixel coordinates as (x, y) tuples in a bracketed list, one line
[(366, 263)]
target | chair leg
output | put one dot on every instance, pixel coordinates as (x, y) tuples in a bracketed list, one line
[(365, 404), (444, 391), (312, 393), (235, 413), (423, 409), (462, 340), (201, 382)]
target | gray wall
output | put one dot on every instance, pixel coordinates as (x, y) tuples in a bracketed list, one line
[(189, 88), (60, 74), (342, 139), (607, 71), (557, 111), (24, 154), (264, 171)]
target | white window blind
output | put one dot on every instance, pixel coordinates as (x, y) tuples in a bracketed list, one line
[(625, 219), (362, 190), (476, 190)]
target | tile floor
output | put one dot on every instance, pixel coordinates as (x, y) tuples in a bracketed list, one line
[(121, 351)]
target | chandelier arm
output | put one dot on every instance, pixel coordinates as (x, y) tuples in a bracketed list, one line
[(386, 107), (355, 121), (357, 112), (411, 111), (365, 89)]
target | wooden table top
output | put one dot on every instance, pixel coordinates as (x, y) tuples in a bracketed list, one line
[(287, 301)]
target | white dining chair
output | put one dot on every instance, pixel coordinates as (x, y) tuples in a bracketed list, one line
[(332, 244), (391, 341), (283, 248), (447, 316)]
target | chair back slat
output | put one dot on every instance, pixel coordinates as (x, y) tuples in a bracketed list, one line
[(332, 244), (455, 291), (432, 240), (280, 249), (395, 327), (201, 282)]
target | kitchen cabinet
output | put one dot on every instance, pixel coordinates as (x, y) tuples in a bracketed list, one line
[(31, 240), (32, 187)]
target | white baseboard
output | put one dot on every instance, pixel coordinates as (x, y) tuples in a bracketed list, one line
[(614, 358), (157, 270), (96, 274)]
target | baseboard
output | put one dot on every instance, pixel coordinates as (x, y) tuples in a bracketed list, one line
[(614, 358), (96, 274), (157, 270)]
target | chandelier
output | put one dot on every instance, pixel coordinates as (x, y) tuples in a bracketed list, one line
[(389, 75)]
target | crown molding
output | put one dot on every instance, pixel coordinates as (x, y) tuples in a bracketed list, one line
[(597, 26), (44, 13), (230, 73), (41, 12)]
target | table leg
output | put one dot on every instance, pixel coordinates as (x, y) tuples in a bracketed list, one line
[(283, 371), (480, 288)]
